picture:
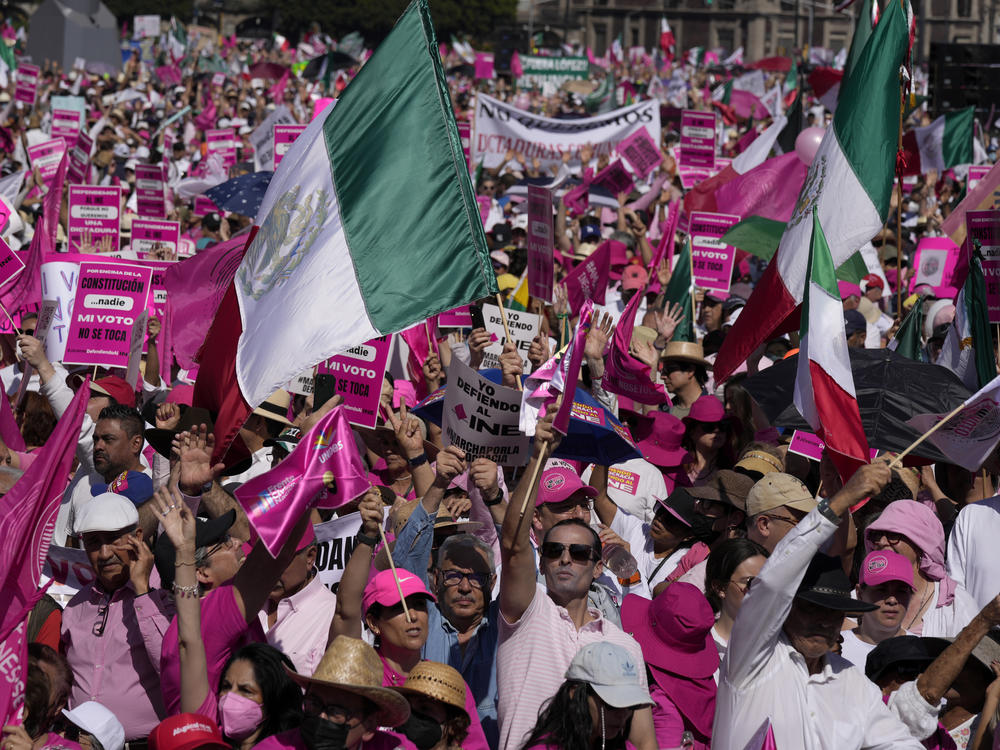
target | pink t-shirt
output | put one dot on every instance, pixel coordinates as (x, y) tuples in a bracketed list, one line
[(292, 740), (667, 720)]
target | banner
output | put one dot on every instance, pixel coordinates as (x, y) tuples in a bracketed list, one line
[(223, 142), (111, 296), (968, 438), (149, 191), (641, 152), (460, 317), (10, 264), (359, 372), (985, 227), (263, 138), (334, 545), (540, 243), (499, 128), (147, 234), (711, 258), (935, 261), (145, 26), (78, 161), (284, 137), (523, 326), (549, 73), (95, 211), (45, 157), (481, 418), (66, 125), (69, 570), (27, 84), (697, 143)]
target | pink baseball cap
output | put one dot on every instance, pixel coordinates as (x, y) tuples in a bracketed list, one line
[(382, 589), (634, 277), (881, 566), (559, 482)]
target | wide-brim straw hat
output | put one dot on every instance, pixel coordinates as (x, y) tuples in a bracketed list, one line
[(439, 682), (275, 407), (351, 665), (686, 351)]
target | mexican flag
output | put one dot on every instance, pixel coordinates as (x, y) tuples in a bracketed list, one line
[(667, 41), (848, 187), (868, 15), (369, 226), (908, 341), (944, 143), (824, 384), (678, 292), (968, 347)]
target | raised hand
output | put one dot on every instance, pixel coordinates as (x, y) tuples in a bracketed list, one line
[(194, 450), (408, 434), (668, 320)]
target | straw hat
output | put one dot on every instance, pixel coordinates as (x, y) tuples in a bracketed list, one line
[(352, 665), (275, 407), (686, 351), (438, 681)]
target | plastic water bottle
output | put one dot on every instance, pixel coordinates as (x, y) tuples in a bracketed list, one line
[(618, 560)]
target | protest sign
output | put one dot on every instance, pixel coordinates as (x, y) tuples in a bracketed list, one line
[(149, 190), (359, 372), (45, 157), (499, 128), (136, 339), (334, 545), (149, 233), (641, 152), (460, 317), (483, 67), (221, 141), (697, 142), (481, 418), (78, 166), (110, 297), (68, 569), (93, 211), (302, 384), (523, 326), (66, 125), (691, 176), (977, 173), (46, 315), (985, 227), (809, 445), (935, 261), (145, 26), (10, 264), (185, 248), (74, 103), (465, 135), (711, 258), (284, 137), (59, 278), (540, 256), (27, 84), (549, 73), (203, 205), (263, 138), (615, 178)]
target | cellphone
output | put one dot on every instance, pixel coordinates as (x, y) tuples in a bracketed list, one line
[(476, 312), (324, 388)]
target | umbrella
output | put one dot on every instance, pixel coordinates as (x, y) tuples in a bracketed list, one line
[(267, 70), (890, 389), (595, 434), (241, 195), (328, 63)]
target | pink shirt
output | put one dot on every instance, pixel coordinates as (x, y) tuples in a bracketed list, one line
[(223, 630), (667, 720), (303, 625), (292, 740), (628, 746), (532, 658)]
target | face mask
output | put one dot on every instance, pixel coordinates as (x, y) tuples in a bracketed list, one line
[(421, 730), (322, 734), (240, 716)]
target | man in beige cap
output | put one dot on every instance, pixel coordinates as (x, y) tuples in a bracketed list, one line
[(684, 371), (774, 506)]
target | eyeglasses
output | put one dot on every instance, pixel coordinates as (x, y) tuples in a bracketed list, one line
[(212, 550), (712, 426), (102, 619), (786, 519), (313, 706), (671, 367), (743, 584), (581, 553), (562, 509), (455, 577)]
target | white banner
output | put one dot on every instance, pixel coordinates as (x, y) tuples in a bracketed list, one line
[(262, 138), (500, 127), (334, 544), (59, 284)]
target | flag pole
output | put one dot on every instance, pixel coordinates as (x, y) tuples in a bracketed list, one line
[(898, 460), (506, 331), (533, 483), (899, 210), (12, 326), (694, 316), (395, 575)]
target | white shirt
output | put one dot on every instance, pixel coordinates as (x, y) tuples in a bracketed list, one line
[(12, 376), (652, 570), (948, 621), (854, 649), (764, 679), (634, 486), (260, 464), (973, 552)]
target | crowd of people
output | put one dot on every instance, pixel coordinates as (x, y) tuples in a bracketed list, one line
[(769, 603)]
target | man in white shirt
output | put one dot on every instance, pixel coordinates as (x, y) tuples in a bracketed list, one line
[(973, 554), (779, 669)]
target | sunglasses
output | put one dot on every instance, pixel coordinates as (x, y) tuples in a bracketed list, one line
[(713, 426), (581, 553), (102, 619), (743, 584), (892, 538)]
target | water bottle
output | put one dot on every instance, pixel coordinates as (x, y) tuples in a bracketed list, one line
[(618, 560)]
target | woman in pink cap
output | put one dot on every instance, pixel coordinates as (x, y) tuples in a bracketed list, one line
[(400, 633), (710, 435), (675, 633)]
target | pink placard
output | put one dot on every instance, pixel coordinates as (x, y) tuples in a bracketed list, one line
[(109, 297), (45, 156), (711, 259), (976, 173), (465, 135), (284, 137), (810, 446), (203, 205), (218, 79), (27, 84), (697, 143), (223, 142), (615, 178), (148, 233), (691, 176), (985, 227), (78, 168), (484, 202), (322, 103), (10, 264), (94, 210), (935, 261), (484, 65), (541, 270), (149, 190), (66, 125), (460, 317), (641, 152), (359, 372), (4, 215)]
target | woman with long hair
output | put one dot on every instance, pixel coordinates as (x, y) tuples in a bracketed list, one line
[(732, 567), (710, 435)]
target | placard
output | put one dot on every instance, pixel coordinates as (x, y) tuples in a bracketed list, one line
[(97, 211), (110, 296), (223, 142), (541, 268), (976, 173), (46, 317), (78, 166), (697, 142), (615, 178), (46, 157), (150, 197), (523, 326), (935, 260), (359, 372), (203, 205), (59, 279), (27, 84), (809, 445), (985, 227), (641, 152), (334, 545), (481, 418), (136, 340), (460, 317), (284, 137), (691, 176), (711, 258), (147, 233), (145, 26), (262, 138), (10, 264), (66, 125)]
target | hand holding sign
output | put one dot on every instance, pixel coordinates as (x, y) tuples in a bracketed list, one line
[(510, 365), (450, 463), (483, 474)]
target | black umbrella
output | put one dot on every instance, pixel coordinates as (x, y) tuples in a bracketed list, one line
[(332, 61), (891, 389)]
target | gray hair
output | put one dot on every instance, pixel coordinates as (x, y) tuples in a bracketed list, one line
[(466, 541)]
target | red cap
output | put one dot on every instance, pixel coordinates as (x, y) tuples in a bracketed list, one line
[(872, 280), (634, 277), (117, 388), (186, 732)]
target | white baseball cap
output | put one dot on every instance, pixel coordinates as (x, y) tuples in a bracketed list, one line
[(95, 719), (107, 512)]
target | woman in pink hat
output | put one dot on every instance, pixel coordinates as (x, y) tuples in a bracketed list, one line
[(710, 434), (659, 436), (675, 633)]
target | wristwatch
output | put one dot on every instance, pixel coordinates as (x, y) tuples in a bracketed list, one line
[(371, 541), (827, 512), (496, 500), (417, 460)]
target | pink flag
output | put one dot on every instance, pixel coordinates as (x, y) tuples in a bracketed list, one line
[(206, 119), (589, 280), (576, 198), (420, 338), (623, 373), (571, 373), (277, 91), (275, 501), (27, 520), (9, 432), (515, 65), (769, 190)]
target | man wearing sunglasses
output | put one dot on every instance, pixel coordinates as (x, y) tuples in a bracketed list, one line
[(542, 628)]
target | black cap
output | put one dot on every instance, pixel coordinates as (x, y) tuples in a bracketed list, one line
[(909, 650), (207, 532), (162, 439), (825, 584)]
